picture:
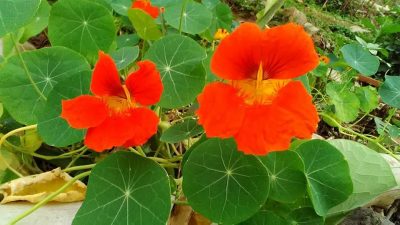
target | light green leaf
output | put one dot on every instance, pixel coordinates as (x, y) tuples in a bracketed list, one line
[(360, 59), (327, 173), (369, 98), (210, 4), (390, 91), (222, 183), (121, 6), (370, 173), (1, 109), (179, 60), (210, 76), (346, 103), (287, 180), (81, 25), (181, 131), (196, 18), (126, 188), (16, 13), (127, 40), (144, 24), (39, 22), (271, 7), (24, 98), (54, 130), (123, 57)]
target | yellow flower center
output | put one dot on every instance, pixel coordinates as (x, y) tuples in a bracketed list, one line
[(119, 104), (259, 91)]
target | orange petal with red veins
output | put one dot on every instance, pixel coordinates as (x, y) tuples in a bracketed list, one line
[(145, 84), (146, 126), (84, 111), (146, 6), (105, 79), (120, 128), (287, 52), (238, 55), (294, 100), (221, 110), (263, 131)]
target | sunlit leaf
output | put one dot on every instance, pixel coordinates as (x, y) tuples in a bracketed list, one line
[(83, 26), (360, 59), (144, 24), (16, 13), (126, 188), (222, 183), (179, 60)]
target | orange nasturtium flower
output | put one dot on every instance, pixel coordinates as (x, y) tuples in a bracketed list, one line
[(117, 114), (146, 6), (259, 104)]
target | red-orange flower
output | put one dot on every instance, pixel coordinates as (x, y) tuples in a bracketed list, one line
[(117, 114), (146, 6), (259, 104)]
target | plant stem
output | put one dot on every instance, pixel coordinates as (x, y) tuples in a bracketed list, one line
[(50, 197), (83, 167), (77, 157), (28, 74)]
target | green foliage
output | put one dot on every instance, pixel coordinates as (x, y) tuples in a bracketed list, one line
[(181, 131), (360, 59), (346, 104), (390, 91), (144, 24), (125, 56)]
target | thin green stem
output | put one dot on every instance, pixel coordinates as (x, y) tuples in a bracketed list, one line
[(77, 157), (83, 167), (175, 150), (140, 150), (50, 197), (136, 152), (28, 74)]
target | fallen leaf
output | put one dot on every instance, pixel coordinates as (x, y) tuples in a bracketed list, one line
[(37, 187)]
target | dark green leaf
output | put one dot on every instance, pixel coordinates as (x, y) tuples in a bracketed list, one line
[(126, 188), (127, 40), (305, 216), (360, 59), (264, 217), (181, 131), (144, 24), (222, 183), (123, 57)]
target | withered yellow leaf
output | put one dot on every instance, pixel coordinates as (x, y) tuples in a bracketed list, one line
[(36, 187)]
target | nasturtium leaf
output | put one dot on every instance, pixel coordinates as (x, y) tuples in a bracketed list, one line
[(24, 97), (195, 19), (127, 40), (327, 173), (222, 183), (181, 131), (81, 25), (369, 98), (16, 13), (1, 109), (126, 188), (123, 57), (179, 60), (360, 59), (52, 128), (211, 4), (144, 24), (5, 173), (165, 3), (287, 180), (222, 19), (265, 217), (39, 22), (210, 76), (369, 171), (30, 141), (305, 216), (121, 6), (346, 103), (390, 91)]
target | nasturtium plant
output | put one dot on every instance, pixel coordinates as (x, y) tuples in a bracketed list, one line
[(162, 103)]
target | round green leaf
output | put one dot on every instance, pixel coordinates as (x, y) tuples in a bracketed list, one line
[(368, 97), (52, 128), (390, 91), (165, 3), (286, 177), (305, 216), (39, 22), (181, 131), (144, 24), (196, 18), (24, 98), (370, 172), (121, 6), (360, 59), (126, 188), (127, 40), (265, 217), (222, 183), (179, 60), (81, 25), (327, 173), (123, 57), (16, 13), (346, 103)]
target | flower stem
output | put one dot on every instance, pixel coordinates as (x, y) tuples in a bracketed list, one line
[(50, 197), (83, 167)]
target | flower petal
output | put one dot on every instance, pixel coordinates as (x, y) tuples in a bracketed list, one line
[(287, 52), (238, 55), (120, 128), (146, 126), (221, 110), (105, 79), (294, 99), (145, 84), (84, 111), (146, 6)]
